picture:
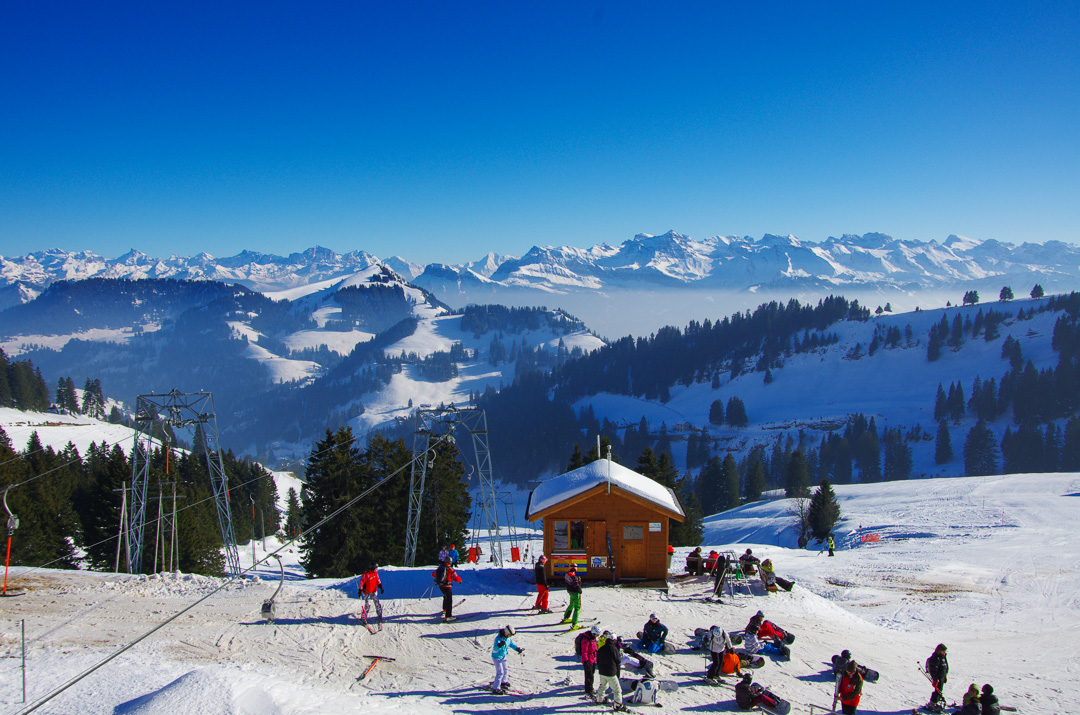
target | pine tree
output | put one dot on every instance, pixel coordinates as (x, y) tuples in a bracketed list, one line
[(736, 413), (709, 486), (824, 511), (577, 459), (755, 481), (797, 483), (728, 496), (941, 404), (1037, 292), (334, 549), (690, 531), (293, 522), (980, 451), (898, 461), (716, 413), (943, 451)]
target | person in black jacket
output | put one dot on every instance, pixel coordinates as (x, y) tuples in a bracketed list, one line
[(990, 705), (608, 666), (937, 667), (541, 585)]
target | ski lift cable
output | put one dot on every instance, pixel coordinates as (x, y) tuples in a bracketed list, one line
[(54, 469), (151, 522), (225, 582), (22, 455)]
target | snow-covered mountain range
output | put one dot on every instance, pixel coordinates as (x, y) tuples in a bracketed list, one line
[(872, 261)]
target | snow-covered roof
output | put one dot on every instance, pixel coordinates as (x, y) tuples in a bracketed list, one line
[(567, 486)]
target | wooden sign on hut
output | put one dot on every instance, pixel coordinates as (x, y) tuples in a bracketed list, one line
[(602, 513)]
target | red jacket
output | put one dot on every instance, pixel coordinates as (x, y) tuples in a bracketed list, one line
[(587, 647), (850, 689), (369, 582), (767, 630)]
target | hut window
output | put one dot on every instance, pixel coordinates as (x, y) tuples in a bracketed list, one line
[(569, 535), (633, 532)]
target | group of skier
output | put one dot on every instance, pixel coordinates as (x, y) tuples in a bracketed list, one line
[(603, 654)]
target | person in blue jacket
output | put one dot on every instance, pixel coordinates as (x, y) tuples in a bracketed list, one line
[(503, 643), (653, 635)]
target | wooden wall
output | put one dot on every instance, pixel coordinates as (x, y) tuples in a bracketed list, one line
[(603, 513)]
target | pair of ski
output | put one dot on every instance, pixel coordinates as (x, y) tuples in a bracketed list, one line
[(506, 691), (363, 619), (374, 662)]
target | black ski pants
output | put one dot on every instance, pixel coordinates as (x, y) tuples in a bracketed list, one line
[(447, 601), (590, 671)]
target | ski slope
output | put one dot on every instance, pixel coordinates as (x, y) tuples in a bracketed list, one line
[(987, 565)]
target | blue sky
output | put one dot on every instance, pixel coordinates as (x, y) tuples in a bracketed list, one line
[(439, 131)]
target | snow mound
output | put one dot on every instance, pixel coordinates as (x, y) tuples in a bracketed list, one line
[(189, 693)]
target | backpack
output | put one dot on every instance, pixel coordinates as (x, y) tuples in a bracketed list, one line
[(645, 692)]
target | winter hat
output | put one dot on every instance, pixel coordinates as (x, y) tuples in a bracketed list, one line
[(542, 559), (595, 630), (988, 689), (573, 568), (509, 630), (653, 617), (747, 678), (453, 546), (760, 614), (748, 552), (716, 631), (845, 654)]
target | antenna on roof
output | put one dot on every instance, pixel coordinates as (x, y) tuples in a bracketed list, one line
[(609, 469)]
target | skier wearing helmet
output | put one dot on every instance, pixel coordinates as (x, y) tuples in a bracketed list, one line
[(585, 646), (503, 643)]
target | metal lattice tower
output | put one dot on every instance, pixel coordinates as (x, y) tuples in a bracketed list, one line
[(194, 411), (433, 425)]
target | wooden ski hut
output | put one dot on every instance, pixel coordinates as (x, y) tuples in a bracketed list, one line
[(604, 512)]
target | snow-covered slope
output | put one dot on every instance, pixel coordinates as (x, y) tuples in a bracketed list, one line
[(987, 565), (814, 393)]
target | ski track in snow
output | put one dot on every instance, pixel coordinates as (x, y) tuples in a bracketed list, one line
[(987, 565)]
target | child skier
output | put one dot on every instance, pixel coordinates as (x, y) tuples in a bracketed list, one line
[(368, 589), (503, 643), (445, 577), (573, 587)]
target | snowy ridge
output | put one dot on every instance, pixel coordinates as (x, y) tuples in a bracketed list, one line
[(671, 260)]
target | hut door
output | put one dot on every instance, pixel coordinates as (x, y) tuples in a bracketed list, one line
[(632, 551)]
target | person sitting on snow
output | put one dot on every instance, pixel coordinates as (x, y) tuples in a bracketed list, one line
[(766, 631), (750, 695), (653, 635), (768, 575)]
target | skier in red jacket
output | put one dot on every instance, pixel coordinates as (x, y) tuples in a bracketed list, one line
[(850, 689), (368, 589)]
